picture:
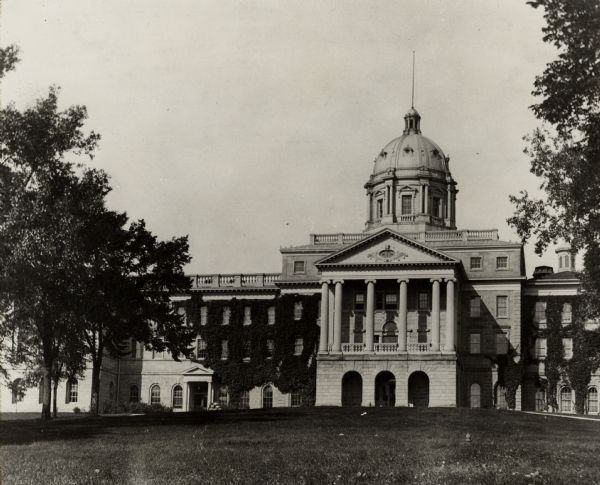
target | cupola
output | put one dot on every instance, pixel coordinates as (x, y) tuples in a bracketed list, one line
[(412, 122), (566, 258)]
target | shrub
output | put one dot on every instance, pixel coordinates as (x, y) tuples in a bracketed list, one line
[(76, 410)]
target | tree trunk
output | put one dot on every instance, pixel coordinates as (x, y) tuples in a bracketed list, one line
[(54, 394), (95, 399), (46, 393)]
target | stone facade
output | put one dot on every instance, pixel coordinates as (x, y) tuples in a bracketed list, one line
[(413, 311)]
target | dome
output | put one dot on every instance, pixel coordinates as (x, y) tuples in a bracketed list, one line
[(411, 152)]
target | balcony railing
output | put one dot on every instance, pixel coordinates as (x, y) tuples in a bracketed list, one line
[(386, 348), (432, 236), (252, 280)]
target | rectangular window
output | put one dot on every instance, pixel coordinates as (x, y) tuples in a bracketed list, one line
[(502, 262), (298, 310), (270, 347), (224, 350), (435, 207), (298, 346), (246, 349), (476, 263), (299, 267), (567, 348), (423, 301), (379, 208), (203, 315), (540, 312), (501, 344), (406, 205), (296, 399), (502, 306), (475, 307), (540, 348), (72, 387), (226, 316), (566, 315), (271, 315), (359, 302), (200, 349), (474, 343), (391, 301), (247, 315)]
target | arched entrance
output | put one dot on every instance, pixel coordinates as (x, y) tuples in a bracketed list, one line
[(385, 389), (352, 389), (418, 389)]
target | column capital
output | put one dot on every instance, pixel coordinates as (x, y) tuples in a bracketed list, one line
[(335, 282), (327, 282), (403, 280), (450, 279), (371, 281), (435, 280)]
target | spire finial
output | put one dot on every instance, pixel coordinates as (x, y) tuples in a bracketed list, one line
[(412, 101)]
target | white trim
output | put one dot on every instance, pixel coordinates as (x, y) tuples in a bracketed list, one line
[(247, 296), (180, 298)]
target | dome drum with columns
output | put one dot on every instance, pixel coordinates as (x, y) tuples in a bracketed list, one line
[(411, 188)]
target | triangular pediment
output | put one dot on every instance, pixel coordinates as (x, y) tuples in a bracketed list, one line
[(198, 370), (386, 247)]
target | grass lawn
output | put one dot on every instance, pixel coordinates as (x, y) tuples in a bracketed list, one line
[(323, 445)]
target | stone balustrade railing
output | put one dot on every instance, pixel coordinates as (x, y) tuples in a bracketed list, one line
[(252, 280), (385, 348), (433, 236)]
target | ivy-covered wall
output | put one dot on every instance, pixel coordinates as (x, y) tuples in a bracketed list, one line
[(288, 372)]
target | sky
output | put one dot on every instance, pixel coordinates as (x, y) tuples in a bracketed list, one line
[(248, 125)]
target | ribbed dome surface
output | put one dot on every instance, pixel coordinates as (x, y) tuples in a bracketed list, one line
[(411, 152)]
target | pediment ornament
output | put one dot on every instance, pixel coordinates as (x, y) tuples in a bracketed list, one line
[(387, 255)]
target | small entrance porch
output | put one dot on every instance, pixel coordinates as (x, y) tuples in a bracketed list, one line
[(199, 388)]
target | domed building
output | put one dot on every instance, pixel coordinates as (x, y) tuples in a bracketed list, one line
[(411, 187), (408, 311)]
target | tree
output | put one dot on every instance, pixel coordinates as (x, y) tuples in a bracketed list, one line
[(565, 155)]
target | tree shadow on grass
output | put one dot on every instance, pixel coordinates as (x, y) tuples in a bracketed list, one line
[(26, 431)]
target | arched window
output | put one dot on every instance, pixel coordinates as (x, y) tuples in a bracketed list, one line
[(267, 397), (475, 396), (177, 397), (134, 393), (592, 401), (72, 390), (155, 394), (111, 391), (566, 400), (17, 391)]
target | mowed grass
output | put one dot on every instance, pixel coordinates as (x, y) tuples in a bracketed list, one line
[(322, 445)]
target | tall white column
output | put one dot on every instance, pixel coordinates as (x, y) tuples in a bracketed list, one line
[(323, 343), (402, 315), (337, 318), (370, 323), (449, 344), (209, 395), (435, 315), (331, 310)]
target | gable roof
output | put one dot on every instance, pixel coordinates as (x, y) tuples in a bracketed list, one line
[(341, 257)]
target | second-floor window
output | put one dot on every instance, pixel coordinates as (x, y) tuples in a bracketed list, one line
[(226, 315), (540, 348), (474, 343), (270, 347), (501, 344), (224, 350), (299, 267), (566, 315), (203, 315), (476, 263), (540, 312), (567, 348), (200, 349), (298, 345), (247, 315), (475, 307), (423, 301), (271, 315), (359, 302), (502, 262), (298, 310), (502, 306)]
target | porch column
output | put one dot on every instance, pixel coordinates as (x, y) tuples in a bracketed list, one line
[(370, 314), (449, 345), (209, 394), (323, 343), (435, 315), (337, 317), (402, 314)]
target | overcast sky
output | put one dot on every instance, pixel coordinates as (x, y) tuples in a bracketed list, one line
[(249, 125)]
